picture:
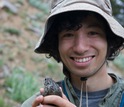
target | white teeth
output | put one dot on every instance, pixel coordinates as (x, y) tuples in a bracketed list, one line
[(82, 60)]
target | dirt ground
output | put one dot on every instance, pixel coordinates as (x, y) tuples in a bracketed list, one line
[(18, 49)]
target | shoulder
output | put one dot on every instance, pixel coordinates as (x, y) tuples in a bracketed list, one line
[(117, 88), (60, 83), (121, 83), (29, 101), (119, 80)]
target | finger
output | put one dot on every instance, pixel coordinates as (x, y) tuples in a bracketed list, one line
[(39, 105), (42, 90), (38, 101), (63, 95), (48, 106), (58, 101)]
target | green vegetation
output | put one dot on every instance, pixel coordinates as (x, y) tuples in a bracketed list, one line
[(1, 63), (12, 31), (118, 10), (119, 62), (53, 69), (3, 103), (40, 5), (21, 84)]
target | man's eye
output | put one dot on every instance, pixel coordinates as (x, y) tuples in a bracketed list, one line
[(68, 35), (92, 33)]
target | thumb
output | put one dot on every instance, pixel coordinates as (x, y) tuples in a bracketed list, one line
[(63, 95)]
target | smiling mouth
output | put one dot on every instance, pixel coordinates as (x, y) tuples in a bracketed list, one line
[(82, 60)]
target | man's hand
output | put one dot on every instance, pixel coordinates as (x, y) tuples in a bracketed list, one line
[(52, 101)]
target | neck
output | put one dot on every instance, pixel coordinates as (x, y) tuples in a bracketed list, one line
[(100, 81), (103, 82)]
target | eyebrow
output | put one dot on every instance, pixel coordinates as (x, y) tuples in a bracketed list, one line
[(97, 25)]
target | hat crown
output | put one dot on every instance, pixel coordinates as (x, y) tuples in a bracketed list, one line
[(101, 7), (105, 5)]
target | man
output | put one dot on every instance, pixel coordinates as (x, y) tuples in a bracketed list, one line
[(83, 36)]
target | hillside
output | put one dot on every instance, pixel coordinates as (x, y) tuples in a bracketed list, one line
[(21, 25)]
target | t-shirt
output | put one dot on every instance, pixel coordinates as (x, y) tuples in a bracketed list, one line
[(93, 97)]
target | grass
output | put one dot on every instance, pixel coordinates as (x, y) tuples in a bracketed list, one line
[(39, 4), (53, 69), (21, 84), (12, 31), (119, 62), (1, 63), (3, 103)]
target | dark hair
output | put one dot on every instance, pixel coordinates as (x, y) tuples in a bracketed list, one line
[(72, 20)]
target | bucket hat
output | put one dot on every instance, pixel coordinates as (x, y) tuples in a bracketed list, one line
[(102, 7)]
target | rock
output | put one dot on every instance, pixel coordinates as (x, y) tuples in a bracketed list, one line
[(8, 5)]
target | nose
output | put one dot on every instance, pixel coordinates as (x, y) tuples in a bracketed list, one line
[(81, 44)]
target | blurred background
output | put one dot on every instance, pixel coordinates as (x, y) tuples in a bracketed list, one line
[(21, 70)]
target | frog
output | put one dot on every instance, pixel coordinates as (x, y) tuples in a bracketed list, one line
[(51, 87)]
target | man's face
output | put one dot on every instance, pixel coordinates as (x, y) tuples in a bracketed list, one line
[(83, 51)]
